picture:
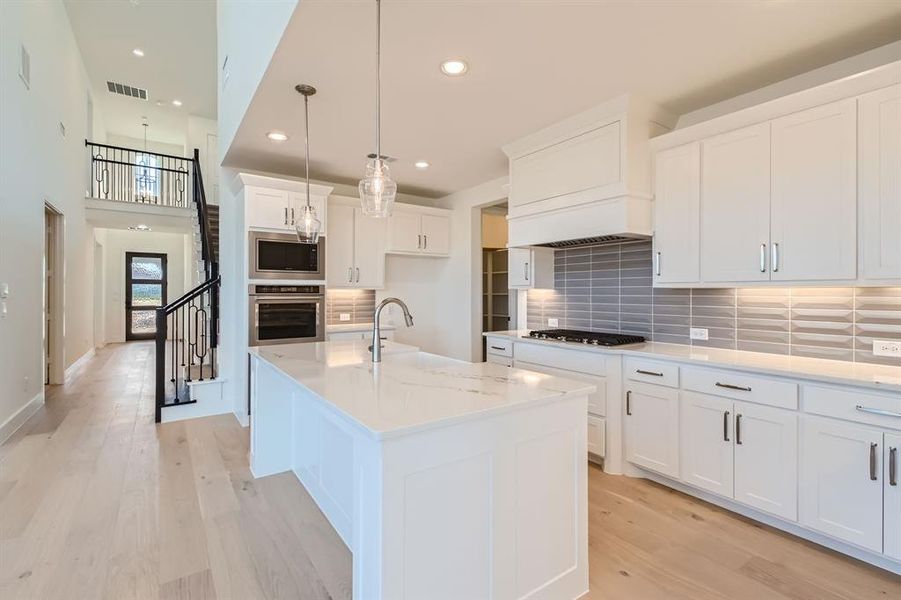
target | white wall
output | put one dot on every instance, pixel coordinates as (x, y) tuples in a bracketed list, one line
[(202, 134), (30, 144), (125, 141), (445, 294), (116, 242), (247, 35)]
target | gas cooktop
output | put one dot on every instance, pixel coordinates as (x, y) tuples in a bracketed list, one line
[(596, 338)]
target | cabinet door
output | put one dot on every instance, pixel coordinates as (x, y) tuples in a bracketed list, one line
[(766, 459), (735, 218), (676, 215), (435, 234), (891, 482), (652, 428), (597, 436), (339, 250), (519, 263), (404, 233), (879, 186), (270, 209), (814, 194), (839, 495), (369, 251), (705, 442)]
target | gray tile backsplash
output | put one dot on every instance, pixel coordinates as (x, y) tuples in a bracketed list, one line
[(609, 288), (359, 304)]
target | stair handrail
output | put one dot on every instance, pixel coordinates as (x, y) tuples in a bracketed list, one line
[(203, 219)]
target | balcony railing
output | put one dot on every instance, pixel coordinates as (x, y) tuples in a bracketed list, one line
[(130, 175)]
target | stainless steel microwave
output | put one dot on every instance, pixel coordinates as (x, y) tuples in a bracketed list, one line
[(286, 314), (281, 256)]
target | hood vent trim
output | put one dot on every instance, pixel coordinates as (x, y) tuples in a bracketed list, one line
[(593, 241)]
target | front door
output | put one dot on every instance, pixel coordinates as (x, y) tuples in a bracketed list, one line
[(145, 290)]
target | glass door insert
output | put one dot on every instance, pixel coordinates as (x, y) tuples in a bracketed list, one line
[(145, 291)]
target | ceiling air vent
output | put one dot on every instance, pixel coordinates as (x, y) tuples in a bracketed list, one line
[(126, 90)]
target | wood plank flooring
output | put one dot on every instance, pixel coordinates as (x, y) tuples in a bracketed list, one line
[(96, 501)]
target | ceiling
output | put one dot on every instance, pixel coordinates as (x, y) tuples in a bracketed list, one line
[(179, 44), (531, 63)]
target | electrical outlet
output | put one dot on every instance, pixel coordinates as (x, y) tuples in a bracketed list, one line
[(886, 347), (698, 333), (344, 316), (553, 322)]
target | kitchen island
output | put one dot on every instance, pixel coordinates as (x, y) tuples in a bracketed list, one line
[(446, 479)]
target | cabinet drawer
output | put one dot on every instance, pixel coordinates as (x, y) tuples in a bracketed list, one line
[(862, 407), (581, 361), (652, 371), (597, 435), (499, 360), (500, 346), (741, 386)]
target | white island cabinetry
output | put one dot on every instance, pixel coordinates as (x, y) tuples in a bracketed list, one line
[(421, 462)]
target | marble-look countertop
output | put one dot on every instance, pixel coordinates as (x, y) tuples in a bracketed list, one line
[(410, 390), (342, 327), (879, 377)]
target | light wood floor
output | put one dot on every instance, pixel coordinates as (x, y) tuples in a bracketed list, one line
[(98, 502)]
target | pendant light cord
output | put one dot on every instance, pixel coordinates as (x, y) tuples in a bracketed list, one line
[(378, 81), (306, 124)]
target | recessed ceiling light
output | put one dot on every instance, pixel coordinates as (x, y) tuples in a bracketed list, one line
[(137, 52), (421, 164), (277, 136), (176, 103), (140, 227), (454, 67)]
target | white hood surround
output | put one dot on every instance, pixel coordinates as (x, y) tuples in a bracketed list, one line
[(586, 179)]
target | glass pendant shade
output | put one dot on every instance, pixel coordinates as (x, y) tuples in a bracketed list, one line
[(308, 226), (377, 189)]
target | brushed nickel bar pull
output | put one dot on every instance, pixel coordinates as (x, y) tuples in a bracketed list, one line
[(629, 403), (654, 373), (292, 215), (775, 257), (425, 242), (738, 429), (873, 475), (358, 274), (729, 386), (419, 242), (878, 411), (657, 264), (763, 258), (893, 467), (286, 215), (350, 275), (498, 348), (726, 426), (525, 270)]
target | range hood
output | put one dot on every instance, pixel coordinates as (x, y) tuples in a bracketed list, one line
[(587, 179)]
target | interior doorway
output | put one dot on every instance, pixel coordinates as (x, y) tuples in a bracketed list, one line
[(54, 361), (146, 282), (498, 300)]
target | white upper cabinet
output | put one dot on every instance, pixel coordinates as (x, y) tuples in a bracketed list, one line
[(676, 209), (268, 209), (814, 194), (355, 247), (419, 230), (272, 203), (879, 183), (530, 268), (735, 222)]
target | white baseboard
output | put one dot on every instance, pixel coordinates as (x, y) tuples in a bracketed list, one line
[(80, 360), (12, 424)]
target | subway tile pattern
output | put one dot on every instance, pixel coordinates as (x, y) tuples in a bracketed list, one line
[(359, 304), (609, 288)]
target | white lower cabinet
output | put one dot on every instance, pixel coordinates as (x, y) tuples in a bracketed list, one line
[(841, 487), (892, 503), (597, 435), (706, 445), (766, 459), (652, 428)]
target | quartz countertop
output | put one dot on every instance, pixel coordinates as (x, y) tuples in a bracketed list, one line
[(879, 377), (410, 390)]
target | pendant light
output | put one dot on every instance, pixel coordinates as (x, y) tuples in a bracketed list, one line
[(308, 226), (377, 189)]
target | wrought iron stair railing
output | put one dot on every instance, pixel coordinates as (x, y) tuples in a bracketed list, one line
[(130, 175)]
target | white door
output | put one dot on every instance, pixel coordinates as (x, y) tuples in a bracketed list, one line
[(841, 482), (735, 217), (814, 194), (705, 442), (766, 459), (652, 428), (676, 215), (404, 233), (270, 209), (435, 234), (879, 186), (339, 249), (519, 263), (891, 482), (369, 251)]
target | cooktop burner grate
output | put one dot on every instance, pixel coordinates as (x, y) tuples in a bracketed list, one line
[(596, 338)]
